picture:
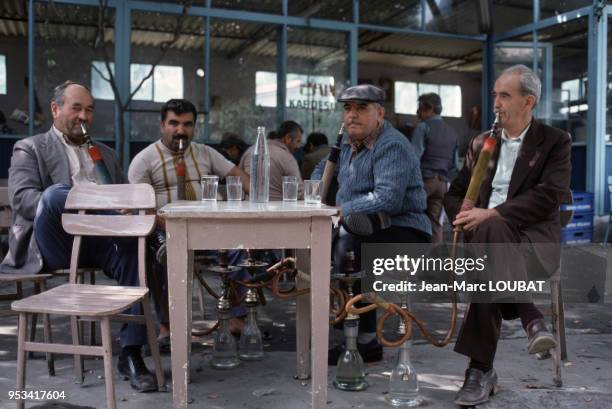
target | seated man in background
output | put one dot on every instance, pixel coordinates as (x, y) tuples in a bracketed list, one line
[(43, 169), (316, 149), (518, 203), (378, 176), (232, 147), (156, 165), (281, 146)]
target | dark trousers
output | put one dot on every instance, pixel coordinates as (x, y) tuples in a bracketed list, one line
[(435, 187), (116, 256), (481, 326), (344, 242)]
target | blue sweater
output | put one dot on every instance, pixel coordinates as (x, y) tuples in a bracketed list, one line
[(386, 178)]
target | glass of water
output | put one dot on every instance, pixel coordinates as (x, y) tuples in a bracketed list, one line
[(234, 188), (312, 191), (290, 188), (210, 184)]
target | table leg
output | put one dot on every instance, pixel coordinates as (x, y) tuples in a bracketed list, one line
[(302, 319), (179, 297), (319, 307)]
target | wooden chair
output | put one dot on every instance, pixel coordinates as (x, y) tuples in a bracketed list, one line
[(95, 302), (39, 281), (559, 353)]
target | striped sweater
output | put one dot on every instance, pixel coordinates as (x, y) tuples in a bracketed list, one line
[(386, 178)]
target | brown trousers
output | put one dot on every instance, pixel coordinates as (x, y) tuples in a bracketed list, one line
[(481, 325)]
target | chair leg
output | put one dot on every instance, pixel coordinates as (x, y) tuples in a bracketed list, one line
[(159, 373), (21, 357), (92, 324), (605, 241), (33, 322), (78, 359), (48, 336), (108, 363), (562, 343), (556, 352)]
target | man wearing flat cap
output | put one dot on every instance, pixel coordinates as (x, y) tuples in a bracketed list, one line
[(380, 195)]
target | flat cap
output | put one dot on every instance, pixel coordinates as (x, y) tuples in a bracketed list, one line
[(363, 93), (231, 139)]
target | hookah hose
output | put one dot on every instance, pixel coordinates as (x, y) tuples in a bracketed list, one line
[(330, 165), (392, 309), (180, 172), (96, 157)]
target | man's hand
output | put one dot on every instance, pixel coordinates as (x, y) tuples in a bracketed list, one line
[(470, 219)]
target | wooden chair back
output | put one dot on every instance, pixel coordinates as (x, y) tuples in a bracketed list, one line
[(106, 202)]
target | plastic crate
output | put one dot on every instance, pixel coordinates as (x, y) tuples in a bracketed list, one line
[(580, 221), (577, 236), (583, 203)]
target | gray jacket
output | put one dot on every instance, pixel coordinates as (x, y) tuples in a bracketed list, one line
[(37, 163)]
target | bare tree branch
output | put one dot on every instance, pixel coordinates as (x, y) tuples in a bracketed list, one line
[(165, 46)]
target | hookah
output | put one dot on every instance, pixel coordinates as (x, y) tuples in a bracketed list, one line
[(350, 371), (251, 342), (403, 383), (225, 352)]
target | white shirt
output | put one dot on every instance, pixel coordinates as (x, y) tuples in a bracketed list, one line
[(508, 153), (82, 168)]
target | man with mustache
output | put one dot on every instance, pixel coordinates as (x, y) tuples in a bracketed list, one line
[(156, 165), (43, 169), (380, 186), (527, 176)]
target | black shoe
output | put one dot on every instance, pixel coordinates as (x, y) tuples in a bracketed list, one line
[(163, 344), (540, 340), (132, 367), (370, 352), (477, 387)]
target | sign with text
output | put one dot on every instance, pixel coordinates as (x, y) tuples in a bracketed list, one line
[(311, 92)]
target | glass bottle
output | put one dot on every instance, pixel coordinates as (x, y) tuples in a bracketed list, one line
[(251, 343), (260, 169), (403, 384), (225, 352), (350, 371)]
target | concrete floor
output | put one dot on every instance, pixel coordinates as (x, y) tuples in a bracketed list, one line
[(524, 382)]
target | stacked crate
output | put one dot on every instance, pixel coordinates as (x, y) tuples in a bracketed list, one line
[(580, 228)]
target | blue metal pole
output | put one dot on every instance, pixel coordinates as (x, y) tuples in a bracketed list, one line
[(31, 107), (207, 75), (534, 35), (488, 73), (281, 73), (596, 99), (123, 23), (353, 46)]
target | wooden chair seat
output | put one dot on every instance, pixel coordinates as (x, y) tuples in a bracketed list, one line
[(82, 299), (17, 278)]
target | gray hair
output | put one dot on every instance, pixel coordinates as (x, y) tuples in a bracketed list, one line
[(60, 90), (431, 100), (529, 81)]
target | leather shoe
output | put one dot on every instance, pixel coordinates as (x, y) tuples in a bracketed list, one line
[(477, 387), (539, 339), (132, 367), (370, 352)]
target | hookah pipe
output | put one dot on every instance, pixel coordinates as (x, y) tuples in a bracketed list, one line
[(392, 309), (96, 157), (330, 165), (180, 172)]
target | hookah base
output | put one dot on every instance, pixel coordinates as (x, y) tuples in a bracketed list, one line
[(350, 384), (403, 402), (252, 357), (224, 363)]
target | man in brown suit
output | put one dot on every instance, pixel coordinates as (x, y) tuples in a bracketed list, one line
[(518, 202)]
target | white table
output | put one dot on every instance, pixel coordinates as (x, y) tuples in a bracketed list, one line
[(243, 225)]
